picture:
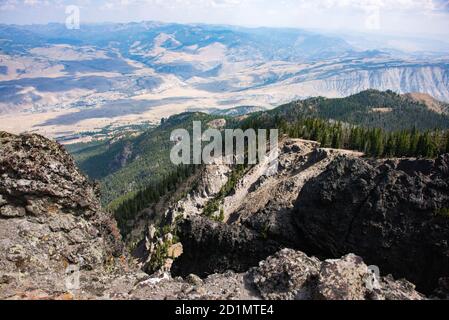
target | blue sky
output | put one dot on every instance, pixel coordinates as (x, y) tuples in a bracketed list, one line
[(401, 17)]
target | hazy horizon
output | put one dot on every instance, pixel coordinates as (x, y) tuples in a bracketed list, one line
[(422, 18)]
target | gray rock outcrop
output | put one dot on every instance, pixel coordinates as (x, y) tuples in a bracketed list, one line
[(211, 247), (292, 275), (50, 216), (389, 212)]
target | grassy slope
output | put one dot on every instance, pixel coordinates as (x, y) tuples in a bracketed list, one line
[(148, 158)]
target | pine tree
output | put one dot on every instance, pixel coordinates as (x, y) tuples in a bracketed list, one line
[(421, 148), (446, 150), (390, 147), (414, 140), (325, 140), (376, 144)]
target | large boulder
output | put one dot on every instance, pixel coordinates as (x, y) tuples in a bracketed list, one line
[(51, 222), (287, 275), (391, 213), (292, 275)]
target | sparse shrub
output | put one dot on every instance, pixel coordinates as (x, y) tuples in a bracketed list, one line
[(264, 232), (222, 215), (443, 212), (211, 207), (159, 257), (214, 205), (166, 229)]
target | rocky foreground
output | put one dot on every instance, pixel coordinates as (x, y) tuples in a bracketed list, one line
[(324, 203)]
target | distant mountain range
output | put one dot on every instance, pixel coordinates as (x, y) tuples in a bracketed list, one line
[(58, 81)]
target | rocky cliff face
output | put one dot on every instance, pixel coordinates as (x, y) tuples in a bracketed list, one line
[(258, 213), (328, 203), (212, 247), (392, 213), (429, 79), (52, 228), (50, 218)]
